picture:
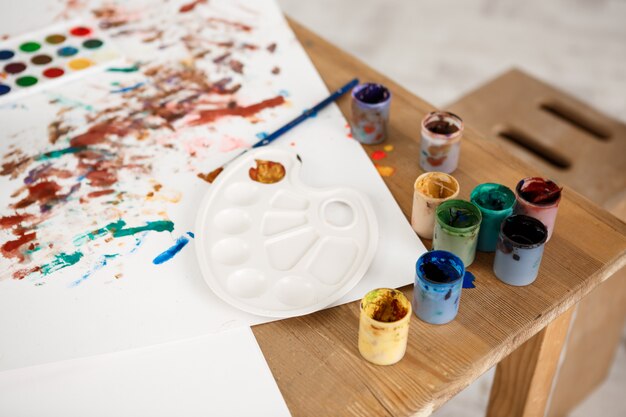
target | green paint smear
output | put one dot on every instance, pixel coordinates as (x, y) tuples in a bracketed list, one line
[(134, 68), (117, 230), (60, 152), (83, 238), (71, 103), (156, 226), (60, 261)]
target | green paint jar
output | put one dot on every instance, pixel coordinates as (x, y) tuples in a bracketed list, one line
[(495, 202), (456, 229)]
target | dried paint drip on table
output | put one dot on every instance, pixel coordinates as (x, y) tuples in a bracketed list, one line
[(520, 249), (438, 284), (440, 145), (384, 326), (539, 198), (88, 194), (370, 113), (429, 191)]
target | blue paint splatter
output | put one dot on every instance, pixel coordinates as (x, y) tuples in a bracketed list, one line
[(191, 234), (468, 280), (262, 135), (284, 93), (129, 88), (170, 252), (98, 265)]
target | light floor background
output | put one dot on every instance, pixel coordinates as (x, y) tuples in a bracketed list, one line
[(442, 49)]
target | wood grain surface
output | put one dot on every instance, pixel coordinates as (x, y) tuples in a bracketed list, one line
[(315, 359), (517, 102)]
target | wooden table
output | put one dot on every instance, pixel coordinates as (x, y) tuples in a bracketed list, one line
[(315, 359)]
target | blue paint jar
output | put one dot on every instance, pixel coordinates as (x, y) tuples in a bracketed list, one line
[(438, 284), (495, 202), (519, 250), (370, 113)]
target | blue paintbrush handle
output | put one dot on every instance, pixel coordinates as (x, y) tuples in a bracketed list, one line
[(306, 114)]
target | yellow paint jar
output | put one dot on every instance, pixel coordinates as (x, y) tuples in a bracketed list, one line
[(384, 326), (430, 190)]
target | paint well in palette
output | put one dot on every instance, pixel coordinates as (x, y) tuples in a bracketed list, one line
[(55, 39), (53, 72), (30, 46), (79, 64), (67, 51), (14, 67), (26, 81), (41, 59), (4, 89), (92, 43), (80, 31), (6, 54)]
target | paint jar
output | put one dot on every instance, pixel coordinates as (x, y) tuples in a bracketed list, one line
[(457, 225), (438, 284), (539, 198), (441, 141), (519, 251), (495, 202), (370, 113), (430, 190), (384, 326)]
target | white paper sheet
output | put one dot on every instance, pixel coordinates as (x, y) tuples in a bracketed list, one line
[(214, 375), (114, 297)]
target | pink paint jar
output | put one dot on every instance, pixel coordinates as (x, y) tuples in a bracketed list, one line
[(441, 141), (539, 198)]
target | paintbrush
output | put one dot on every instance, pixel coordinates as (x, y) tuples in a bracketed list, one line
[(210, 177)]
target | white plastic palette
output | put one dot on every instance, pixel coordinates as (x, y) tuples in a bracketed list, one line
[(54, 55), (282, 249)]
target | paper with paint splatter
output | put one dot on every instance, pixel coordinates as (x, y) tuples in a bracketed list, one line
[(100, 178)]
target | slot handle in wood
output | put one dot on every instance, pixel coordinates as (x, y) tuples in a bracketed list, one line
[(576, 119), (534, 146)]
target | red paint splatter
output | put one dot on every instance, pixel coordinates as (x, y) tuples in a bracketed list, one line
[(236, 25), (101, 178), (207, 116), (369, 129), (95, 194), (10, 221), (98, 133), (186, 8), (11, 248), (378, 155), (22, 273), (42, 192)]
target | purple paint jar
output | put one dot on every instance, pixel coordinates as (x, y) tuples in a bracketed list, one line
[(370, 113), (441, 141)]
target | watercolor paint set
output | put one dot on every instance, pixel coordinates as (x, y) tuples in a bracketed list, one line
[(272, 246), (48, 57)]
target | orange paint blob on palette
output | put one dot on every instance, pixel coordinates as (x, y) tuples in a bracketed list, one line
[(51, 56)]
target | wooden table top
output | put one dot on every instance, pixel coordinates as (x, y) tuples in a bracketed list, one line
[(315, 358)]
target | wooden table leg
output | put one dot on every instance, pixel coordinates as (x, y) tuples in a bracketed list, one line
[(523, 380)]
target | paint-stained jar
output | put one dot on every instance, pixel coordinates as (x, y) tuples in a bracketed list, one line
[(539, 198), (457, 225), (370, 113), (429, 191), (438, 284), (495, 202), (519, 250), (441, 141), (384, 326)]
